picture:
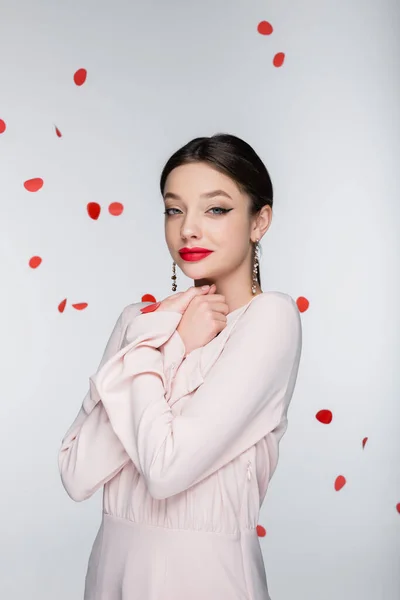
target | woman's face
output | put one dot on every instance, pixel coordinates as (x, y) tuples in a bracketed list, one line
[(206, 209)]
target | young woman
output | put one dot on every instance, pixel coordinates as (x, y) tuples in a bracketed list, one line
[(183, 418)]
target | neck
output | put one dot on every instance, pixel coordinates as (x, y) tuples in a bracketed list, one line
[(235, 296)]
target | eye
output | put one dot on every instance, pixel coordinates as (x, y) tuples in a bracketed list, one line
[(223, 211)]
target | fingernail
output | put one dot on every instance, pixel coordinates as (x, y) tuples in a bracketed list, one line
[(150, 307), (205, 287)]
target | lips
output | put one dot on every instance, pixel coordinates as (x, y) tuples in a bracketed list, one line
[(193, 254), (194, 249)]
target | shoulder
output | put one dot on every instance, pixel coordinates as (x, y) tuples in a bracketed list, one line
[(272, 303), (271, 312)]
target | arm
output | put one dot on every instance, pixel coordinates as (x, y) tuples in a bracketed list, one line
[(244, 397), (91, 453)]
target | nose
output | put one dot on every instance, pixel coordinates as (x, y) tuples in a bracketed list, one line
[(190, 228)]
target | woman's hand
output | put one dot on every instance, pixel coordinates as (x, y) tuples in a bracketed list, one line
[(176, 302), (180, 301), (204, 314), (203, 318)]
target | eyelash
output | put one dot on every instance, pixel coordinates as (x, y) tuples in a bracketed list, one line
[(224, 211)]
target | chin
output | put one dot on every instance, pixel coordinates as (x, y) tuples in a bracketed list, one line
[(200, 276)]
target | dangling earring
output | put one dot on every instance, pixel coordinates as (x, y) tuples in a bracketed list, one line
[(173, 277), (256, 264), (255, 268)]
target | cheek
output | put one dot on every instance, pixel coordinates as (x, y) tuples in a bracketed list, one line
[(223, 232), (220, 228), (230, 231), (170, 234), (235, 240)]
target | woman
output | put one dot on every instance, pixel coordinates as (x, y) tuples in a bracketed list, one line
[(183, 418)]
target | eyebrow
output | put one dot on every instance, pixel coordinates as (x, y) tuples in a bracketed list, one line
[(205, 195)]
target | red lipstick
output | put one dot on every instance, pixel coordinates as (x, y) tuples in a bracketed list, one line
[(194, 254)]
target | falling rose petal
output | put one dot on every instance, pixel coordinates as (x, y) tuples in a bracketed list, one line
[(148, 298), (398, 507), (3, 126), (93, 209), (278, 59), (58, 132), (265, 28), (34, 262), (340, 482), (80, 305), (80, 76), (365, 440), (324, 416), (33, 185), (150, 307), (62, 305), (302, 304), (261, 531), (115, 209)]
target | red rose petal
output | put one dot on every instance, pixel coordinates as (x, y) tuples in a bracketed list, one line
[(150, 308), (115, 208), (61, 306), (80, 305), (93, 210), (80, 76), (324, 416), (34, 262), (302, 304), (278, 59), (261, 531), (148, 298), (340, 482), (33, 185), (58, 132), (3, 126), (364, 442), (265, 28), (398, 507)]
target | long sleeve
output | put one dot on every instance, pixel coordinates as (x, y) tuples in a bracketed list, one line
[(91, 453), (244, 396)]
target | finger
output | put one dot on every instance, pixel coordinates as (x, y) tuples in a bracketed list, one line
[(220, 308), (219, 318), (215, 298), (217, 306), (192, 292)]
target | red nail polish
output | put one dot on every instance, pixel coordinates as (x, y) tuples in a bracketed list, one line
[(150, 307)]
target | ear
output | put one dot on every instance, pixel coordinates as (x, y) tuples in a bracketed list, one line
[(261, 223)]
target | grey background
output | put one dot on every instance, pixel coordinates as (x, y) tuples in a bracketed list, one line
[(327, 126)]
